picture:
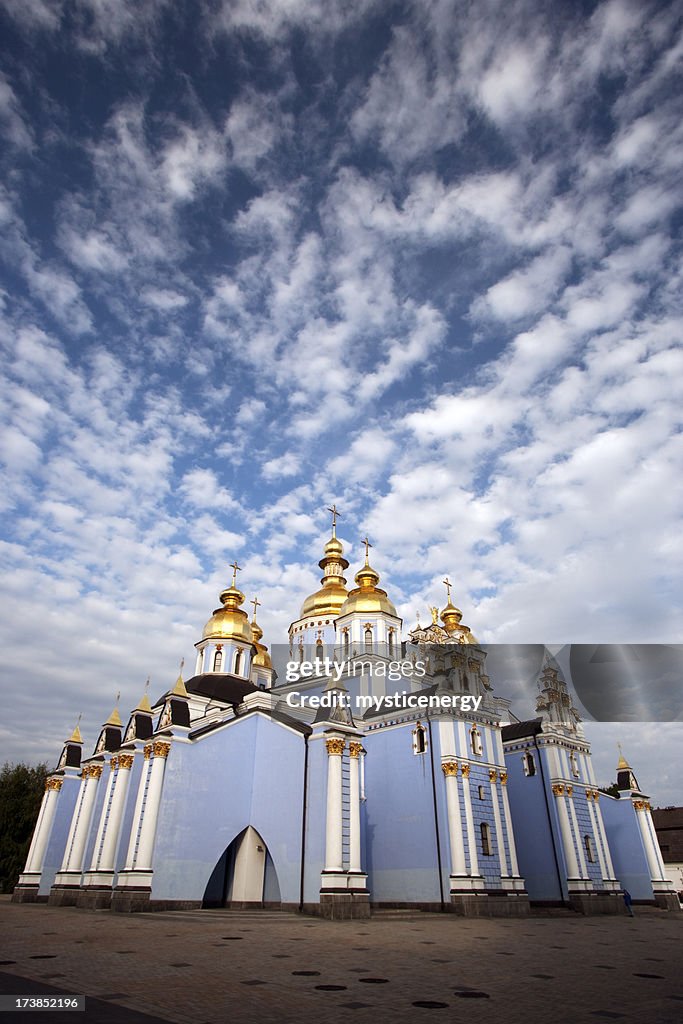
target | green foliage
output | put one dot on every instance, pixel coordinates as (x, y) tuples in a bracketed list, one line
[(21, 793), (612, 790)]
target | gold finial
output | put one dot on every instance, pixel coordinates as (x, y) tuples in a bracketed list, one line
[(179, 688), (623, 763), (115, 717), (235, 569), (447, 583), (76, 734), (335, 515), (144, 704), (368, 545), (257, 604)]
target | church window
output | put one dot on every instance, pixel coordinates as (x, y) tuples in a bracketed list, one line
[(319, 649), (391, 642), (217, 661), (465, 682), (590, 850), (346, 639), (475, 740), (481, 793), (368, 639), (238, 663), (486, 846), (419, 739), (528, 764)]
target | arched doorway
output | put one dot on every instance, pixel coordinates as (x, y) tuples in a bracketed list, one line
[(244, 876)]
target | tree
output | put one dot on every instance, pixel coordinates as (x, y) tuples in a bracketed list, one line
[(21, 793), (612, 790)]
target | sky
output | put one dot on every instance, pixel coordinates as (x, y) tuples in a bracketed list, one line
[(421, 259)]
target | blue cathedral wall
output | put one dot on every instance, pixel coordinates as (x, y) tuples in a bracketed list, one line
[(535, 832), (249, 772), (626, 846), (400, 847)]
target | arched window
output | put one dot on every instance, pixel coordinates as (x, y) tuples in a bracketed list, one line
[(319, 649), (218, 661), (368, 639), (574, 765), (590, 849), (528, 764), (475, 740), (419, 739), (482, 795), (486, 847), (392, 634), (238, 663), (346, 639), (465, 682)]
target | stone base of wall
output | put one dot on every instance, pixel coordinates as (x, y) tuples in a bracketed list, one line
[(94, 897), (668, 901), (590, 903), (64, 895), (129, 900), (25, 894), (490, 904), (341, 906)]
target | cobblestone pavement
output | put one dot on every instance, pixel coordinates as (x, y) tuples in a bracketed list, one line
[(209, 967)]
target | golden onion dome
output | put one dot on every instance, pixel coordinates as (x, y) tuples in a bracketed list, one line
[(332, 594), (367, 597), (451, 617), (230, 622)]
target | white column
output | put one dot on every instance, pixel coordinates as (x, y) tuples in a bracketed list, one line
[(450, 773), (137, 813), (113, 765), (118, 802), (41, 834), (469, 819), (650, 825), (80, 824), (500, 836), (603, 835), (598, 837), (656, 873), (355, 753), (508, 824), (148, 828), (566, 832), (333, 824)]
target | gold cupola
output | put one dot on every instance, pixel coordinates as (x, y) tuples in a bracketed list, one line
[(229, 622), (452, 619), (367, 597), (262, 657), (333, 593)]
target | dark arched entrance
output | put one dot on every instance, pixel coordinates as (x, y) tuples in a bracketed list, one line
[(244, 875)]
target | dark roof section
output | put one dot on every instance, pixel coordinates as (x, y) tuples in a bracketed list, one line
[(218, 686), (520, 730), (668, 822)]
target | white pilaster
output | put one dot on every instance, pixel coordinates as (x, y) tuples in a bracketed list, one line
[(137, 813), (458, 864), (148, 828), (569, 790), (118, 802), (74, 855), (508, 824), (598, 837), (566, 832), (41, 834), (355, 753), (333, 822), (603, 835)]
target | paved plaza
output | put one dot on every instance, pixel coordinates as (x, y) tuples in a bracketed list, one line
[(206, 967)]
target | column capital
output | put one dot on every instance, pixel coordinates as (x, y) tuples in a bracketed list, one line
[(114, 762), (147, 752), (449, 768), (92, 771), (335, 746), (161, 748), (503, 778), (570, 790), (465, 770), (53, 785), (493, 774), (355, 749), (126, 761), (558, 789), (639, 805)]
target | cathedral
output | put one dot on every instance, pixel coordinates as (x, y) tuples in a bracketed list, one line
[(376, 770)]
